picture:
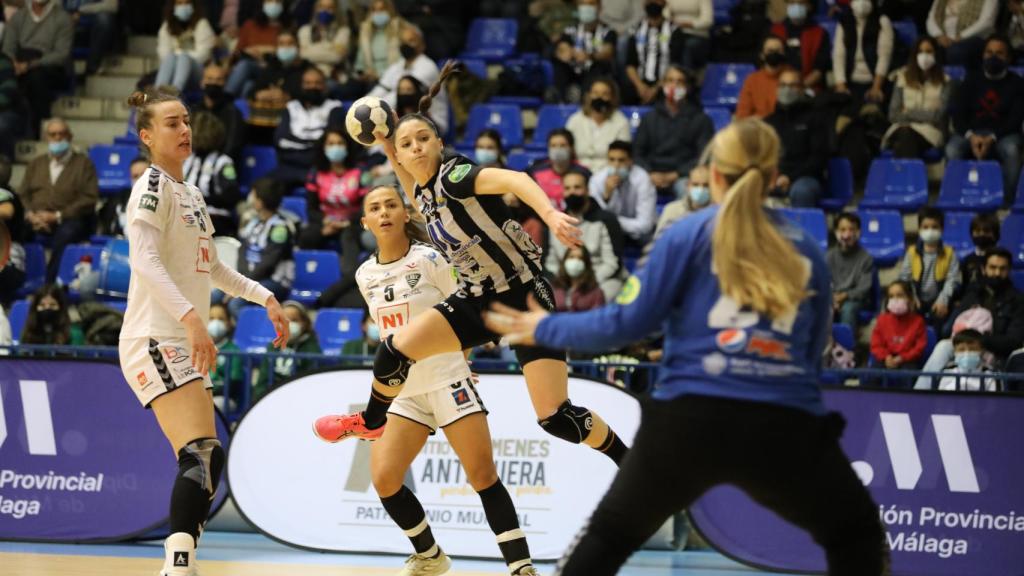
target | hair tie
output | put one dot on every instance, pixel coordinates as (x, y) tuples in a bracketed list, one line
[(145, 97)]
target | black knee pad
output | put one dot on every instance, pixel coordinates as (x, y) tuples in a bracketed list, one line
[(570, 423), (391, 367), (202, 462)]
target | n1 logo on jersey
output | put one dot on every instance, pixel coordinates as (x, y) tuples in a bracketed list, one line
[(391, 318), (203, 256)]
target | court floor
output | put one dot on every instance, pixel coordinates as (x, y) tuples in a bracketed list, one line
[(237, 554)]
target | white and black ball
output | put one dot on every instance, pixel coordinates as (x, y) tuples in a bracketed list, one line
[(368, 117)]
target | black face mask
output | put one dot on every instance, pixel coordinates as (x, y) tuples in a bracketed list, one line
[(214, 91), (984, 242), (995, 66), (313, 97), (407, 101), (575, 202), (407, 51), (600, 105), (774, 59), (48, 317), (997, 284), (654, 9)]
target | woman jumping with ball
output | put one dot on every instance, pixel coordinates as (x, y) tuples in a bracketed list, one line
[(496, 261)]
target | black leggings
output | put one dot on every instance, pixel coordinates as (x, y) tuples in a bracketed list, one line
[(786, 459)]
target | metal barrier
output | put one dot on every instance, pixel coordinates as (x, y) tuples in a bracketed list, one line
[(637, 377)]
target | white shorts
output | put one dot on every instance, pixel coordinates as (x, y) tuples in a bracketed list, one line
[(441, 407), (154, 367)]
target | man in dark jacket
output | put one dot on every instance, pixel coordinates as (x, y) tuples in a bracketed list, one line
[(672, 137), (219, 102), (804, 138), (996, 294)]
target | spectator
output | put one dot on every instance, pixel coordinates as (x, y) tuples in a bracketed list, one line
[(673, 135), (804, 135), (985, 235), (365, 345), (621, 16), (932, 266), (576, 288), (49, 321), (853, 270), (696, 196), (598, 124), (408, 94), (603, 259), (415, 63), (302, 340), (625, 189), (862, 52), (378, 41), (59, 192), (585, 50), (213, 172), (256, 38), (961, 27), (228, 372), (100, 17), (488, 152), (38, 39), (987, 113), (12, 216), (551, 171), (184, 44), (280, 79), (302, 124), (695, 19), (113, 216), (217, 101), (807, 44), (12, 122), (757, 96), (1015, 26), (325, 40), (267, 240), (654, 44), (919, 103), (969, 358), (899, 338)]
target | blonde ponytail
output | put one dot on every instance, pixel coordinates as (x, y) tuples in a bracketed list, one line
[(757, 266)]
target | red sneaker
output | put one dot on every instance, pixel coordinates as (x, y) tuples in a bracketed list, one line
[(335, 428)]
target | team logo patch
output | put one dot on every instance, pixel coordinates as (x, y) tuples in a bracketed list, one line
[(229, 172), (731, 340), (149, 202), (413, 279), (181, 559), (461, 397), (459, 172), (630, 292), (141, 378), (278, 234)]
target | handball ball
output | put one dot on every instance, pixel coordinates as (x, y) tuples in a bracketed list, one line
[(368, 115)]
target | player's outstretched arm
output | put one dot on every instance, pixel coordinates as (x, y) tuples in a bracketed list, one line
[(404, 177), (500, 181), (235, 284)]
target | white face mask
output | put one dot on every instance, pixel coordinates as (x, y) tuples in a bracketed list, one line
[(294, 328), (574, 267), (925, 61)]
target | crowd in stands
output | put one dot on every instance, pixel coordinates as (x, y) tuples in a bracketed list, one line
[(860, 80)]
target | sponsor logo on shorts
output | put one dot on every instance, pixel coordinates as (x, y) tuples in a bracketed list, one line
[(731, 340), (175, 354), (149, 202), (143, 380), (461, 397)]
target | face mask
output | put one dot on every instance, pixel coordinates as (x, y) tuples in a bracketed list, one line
[(217, 329), (774, 59), (996, 283), (59, 147), (600, 105), (214, 91), (324, 17), (995, 66), (653, 9), (675, 94), (574, 267), (587, 13), (559, 154), (486, 156), (622, 172), (575, 202), (313, 97), (984, 242), (295, 329), (925, 61), (699, 195), (373, 333), (48, 317), (380, 19), (287, 53), (861, 8), (898, 306), (796, 12), (788, 96), (336, 153), (968, 361), (408, 51), (930, 236), (183, 12), (273, 10), (407, 101)]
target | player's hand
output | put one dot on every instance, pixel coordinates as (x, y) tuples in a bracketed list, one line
[(276, 315), (564, 227), (204, 351), (517, 326)]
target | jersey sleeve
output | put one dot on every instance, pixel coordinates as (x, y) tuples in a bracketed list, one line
[(460, 180), (153, 205)]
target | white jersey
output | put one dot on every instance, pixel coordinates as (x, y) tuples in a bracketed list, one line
[(398, 291), (186, 249)]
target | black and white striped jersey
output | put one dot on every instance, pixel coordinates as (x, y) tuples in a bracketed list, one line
[(477, 234)]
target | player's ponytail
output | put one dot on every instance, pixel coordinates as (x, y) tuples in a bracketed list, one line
[(451, 68), (756, 265)]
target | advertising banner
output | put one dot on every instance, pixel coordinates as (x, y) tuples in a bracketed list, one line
[(946, 469), (80, 459), (307, 493)]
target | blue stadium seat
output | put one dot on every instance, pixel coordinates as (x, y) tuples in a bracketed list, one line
[(896, 184), (491, 39), (882, 235), (633, 114), (830, 28), (842, 334), (905, 31), (119, 305), (839, 191), (17, 316), (1018, 202), (315, 271), (957, 232), (35, 269), (130, 138), (527, 101), (257, 161), (931, 338), (723, 9), (971, 185), (336, 326), (722, 84), (1011, 237), (1017, 277), (73, 254), (475, 66), (296, 205), (522, 160), (505, 118), (112, 166), (720, 117), (812, 220), (115, 270), (549, 117), (243, 107), (253, 330), (956, 73)]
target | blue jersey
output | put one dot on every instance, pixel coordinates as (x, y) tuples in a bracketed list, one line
[(712, 346)]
